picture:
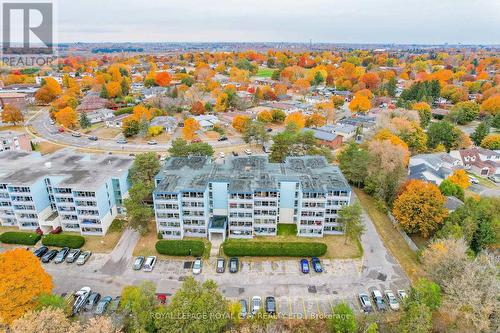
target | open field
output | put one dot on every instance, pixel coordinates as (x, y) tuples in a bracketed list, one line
[(106, 132), (46, 147), (264, 72), (391, 237)]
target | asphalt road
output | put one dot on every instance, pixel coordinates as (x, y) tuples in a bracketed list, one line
[(44, 131)]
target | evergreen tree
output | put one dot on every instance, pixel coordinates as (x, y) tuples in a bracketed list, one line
[(481, 131), (104, 92), (84, 120)]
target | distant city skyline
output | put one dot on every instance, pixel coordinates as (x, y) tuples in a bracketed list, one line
[(335, 21)]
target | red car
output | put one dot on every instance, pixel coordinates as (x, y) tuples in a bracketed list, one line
[(39, 231), (161, 298), (60, 130), (195, 140)]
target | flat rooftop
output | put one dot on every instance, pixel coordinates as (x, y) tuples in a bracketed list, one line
[(66, 168), (247, 174)]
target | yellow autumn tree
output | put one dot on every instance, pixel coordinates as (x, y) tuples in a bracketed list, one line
[(360, 103), (265, 116), (222, 102), (460, 178), (240, 122), (297, 118), (67, 117), (22, 280), (190, 128)]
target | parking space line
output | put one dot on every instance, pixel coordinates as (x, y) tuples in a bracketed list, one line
[(304, 307), (290, 307), (317, 305)]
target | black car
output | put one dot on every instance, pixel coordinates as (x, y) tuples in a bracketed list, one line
[(47, 257), (235, 153), (222, 138), (270, 305), (93, 138), (233, 265), (92, 301), (41, 251)]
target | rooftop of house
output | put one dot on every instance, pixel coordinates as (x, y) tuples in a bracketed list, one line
[(435, 159), (452, 203), (249, 174), (66, 167), (417, 171), (11, 134)]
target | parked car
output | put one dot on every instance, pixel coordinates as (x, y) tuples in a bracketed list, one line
[(83, 257), (473, 180), (60, 130), (304, 266), (102, 305), (244, 308), (391, 300), (92, 301), (222, 138), (121, 141), (52, 122), (149, 264), (41, 251), (73, 255), (115, 303), (494, 178), (248, 151), (379, 300), (256, 304), (197, 266), (93, 138), (234, 153), (270, 305), (138, 263), (222, 155), (195, 140), (152, 142), (47, 257), (402, 294), (233, 265), (61, 255), (266, 149), (76, 134), (316, 265), (39, 231), (221, 265), (269, 129), (82, 296), (364, 301)]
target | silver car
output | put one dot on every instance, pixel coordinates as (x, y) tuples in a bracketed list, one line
[(197, 266)]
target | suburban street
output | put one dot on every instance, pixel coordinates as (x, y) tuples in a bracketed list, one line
[(297, 294)]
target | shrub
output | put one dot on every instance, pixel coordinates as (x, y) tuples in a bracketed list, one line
[(273, 249), (61, 240), (155, 130), (17, 237), (126, 110), (180, 247)]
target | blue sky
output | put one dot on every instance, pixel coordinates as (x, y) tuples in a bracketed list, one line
[(341, 21)]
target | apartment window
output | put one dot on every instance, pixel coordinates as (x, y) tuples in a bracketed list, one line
[(85, 194)]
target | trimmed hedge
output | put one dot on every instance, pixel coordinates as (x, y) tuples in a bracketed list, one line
[(16, 237), (125, 110), (180, 247), (235, 248), (61, 240)]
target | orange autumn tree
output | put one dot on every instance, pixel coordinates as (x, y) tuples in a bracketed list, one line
[(491, 105), (23, 280), (163, 79), (460, 178), (114, 89), (360, 103), (67, 117), (296, 118), (265, 116), (190, 128), (240, 123), (197, 108), (12, 114), (315, 120), (419, 207), (141, 112)]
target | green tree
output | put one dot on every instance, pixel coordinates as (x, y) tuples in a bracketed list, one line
[(104, 92), (442, 132), (51, 300), (426, 292), (181, 148), (138, 206), (342, 319), (144, 169), (416, 318), (464, 112), (481, 131), (84, 120), (124, 87), (353, 161), (318, 79), (350, 217), (449, 188), (255, 131), (130, 128), (195, 307), (278, 116), (138, 304), (390, 87)]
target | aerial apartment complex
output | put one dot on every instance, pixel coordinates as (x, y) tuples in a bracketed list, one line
[(248, 196), (77, 192)]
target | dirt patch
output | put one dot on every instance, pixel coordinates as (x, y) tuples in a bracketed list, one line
[(99, 244), (106, 132), (212, 135), (46, 147)]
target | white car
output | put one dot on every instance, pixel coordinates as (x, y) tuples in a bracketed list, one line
[(222, 155), (256, 304), (473, 180), (391, 300), (82, 296), (402, 294), (197, 266), (149, 264), (248, 152)]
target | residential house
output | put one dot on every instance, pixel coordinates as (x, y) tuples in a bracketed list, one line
[(326, 138), (116, 121), (92, 102), (13, 140), (98, 116), (480, 161), (168, 123), (433, 168), (207, 121)]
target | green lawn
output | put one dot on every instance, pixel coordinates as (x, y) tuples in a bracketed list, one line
[(287, 230), (265, 72)]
